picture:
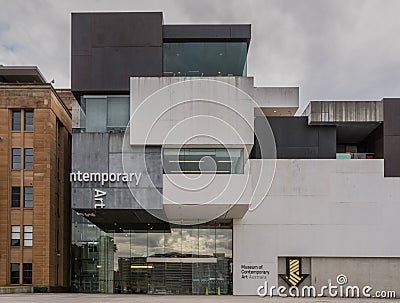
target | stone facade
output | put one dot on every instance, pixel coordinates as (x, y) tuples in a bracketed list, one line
[(50, 214)]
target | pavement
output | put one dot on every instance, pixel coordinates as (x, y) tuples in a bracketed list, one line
[(92, 298)]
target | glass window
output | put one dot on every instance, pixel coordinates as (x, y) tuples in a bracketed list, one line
[(28, 196), (27, 273), (15, 235), (14, 270), (28, 229), (117, 112), (205, 59), (28, 163), (28, 120), (16, 120), (15, 196), (96, 114), (207, 161), (16, 158)]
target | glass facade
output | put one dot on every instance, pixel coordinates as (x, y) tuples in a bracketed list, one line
[(100, 114), (181, 260), (203, 160), (205, 59)]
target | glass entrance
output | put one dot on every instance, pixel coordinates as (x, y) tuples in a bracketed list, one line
[(182, 260)]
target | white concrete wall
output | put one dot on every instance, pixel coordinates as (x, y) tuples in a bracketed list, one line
[(176, 111), (322, 208), (206, 197), (223, 111)]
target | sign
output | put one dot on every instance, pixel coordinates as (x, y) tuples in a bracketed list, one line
[(293, 276), (253, 272), (105, 177)]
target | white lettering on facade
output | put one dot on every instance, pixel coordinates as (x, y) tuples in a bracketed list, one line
[(105, 177), (99, 195)]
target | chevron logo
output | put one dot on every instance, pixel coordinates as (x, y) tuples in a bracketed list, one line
[(293, 276)]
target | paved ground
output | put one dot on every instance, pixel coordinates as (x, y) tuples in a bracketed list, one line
[(95, 298)]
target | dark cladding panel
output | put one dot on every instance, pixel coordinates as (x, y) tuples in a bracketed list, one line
[(113, 66), (391, 112), (295, 139), (81, 27), (391, 130), (327, 142), (127, 29), (108, 48), (81, 77), (392, 156), (207, 33)]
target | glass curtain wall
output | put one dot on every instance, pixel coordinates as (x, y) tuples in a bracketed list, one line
[(183, 260), (205, 59)]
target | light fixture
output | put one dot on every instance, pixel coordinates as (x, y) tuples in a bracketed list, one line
[(99, 266), (138, 266), (225, 161), (274, 111)]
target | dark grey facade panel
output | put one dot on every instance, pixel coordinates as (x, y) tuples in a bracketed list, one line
[(93, 153), (81, 34), (126, 29), (207, 32), (391, 133), (112, 66), (108, 48), (327, 142), (295, 139)]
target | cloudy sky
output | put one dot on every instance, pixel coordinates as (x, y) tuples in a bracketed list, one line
[(331, 49)]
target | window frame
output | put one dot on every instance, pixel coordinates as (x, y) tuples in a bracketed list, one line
[(26, 194), (13, 125), (27, 273), (32, 126), (15, 271), (26, 157), (14, 191), (15, 235), (28, 235), (16, 165)]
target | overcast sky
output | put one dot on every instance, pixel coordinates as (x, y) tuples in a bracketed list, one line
[(331, 49)]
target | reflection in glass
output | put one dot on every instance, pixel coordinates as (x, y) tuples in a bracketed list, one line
[(117, 261), (204, 59), (201, 160)]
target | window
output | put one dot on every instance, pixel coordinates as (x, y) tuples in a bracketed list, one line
[(15, 235), (14, 273), (204, 59), (16, 158), (28, 163), (28, 196), (27, 273), (15, 196), (28, 235), (205, 161), (28, 120), (16, 120)]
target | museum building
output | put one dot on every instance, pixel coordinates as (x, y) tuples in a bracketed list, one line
[(188, 179)]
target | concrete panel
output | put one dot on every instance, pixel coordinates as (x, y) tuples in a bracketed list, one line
[(89, 154), (379, 273), (319, 208), (323, 112), (164, 120), (147, 193), (279, 97)]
